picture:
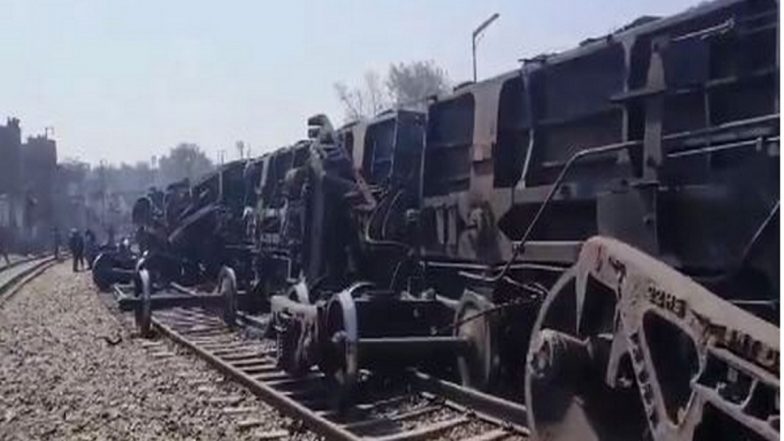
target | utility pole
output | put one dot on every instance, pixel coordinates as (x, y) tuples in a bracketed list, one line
[(222, 153), (102, 178), (477, 33)]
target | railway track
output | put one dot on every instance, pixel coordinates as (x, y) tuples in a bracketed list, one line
[(418, 407), (15, 275)]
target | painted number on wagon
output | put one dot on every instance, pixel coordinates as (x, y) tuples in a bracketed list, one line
[(667, 301)]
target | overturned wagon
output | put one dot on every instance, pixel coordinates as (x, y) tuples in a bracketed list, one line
[(594, 234)]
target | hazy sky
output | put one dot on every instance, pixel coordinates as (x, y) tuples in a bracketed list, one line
[(125, 80)]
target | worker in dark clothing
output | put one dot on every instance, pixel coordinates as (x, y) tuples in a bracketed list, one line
[(89, 247), (110, 236), (4, 245), (57, 243), (76, 244)]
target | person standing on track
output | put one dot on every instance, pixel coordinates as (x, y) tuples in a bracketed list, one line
[(89, 247), (76, 244), (4, 245), (57, 243)]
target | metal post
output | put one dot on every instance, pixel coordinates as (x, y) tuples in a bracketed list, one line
[(477, 32), (220, 176), (473, 54), (102, 176)]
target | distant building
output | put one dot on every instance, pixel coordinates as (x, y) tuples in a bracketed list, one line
[(10, 157), (10, 171), (27, 182), (39, 169)]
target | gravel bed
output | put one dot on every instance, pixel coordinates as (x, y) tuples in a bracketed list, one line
[(410, 403), (439, 415), (474, 428), (70, 369), (414, 402)]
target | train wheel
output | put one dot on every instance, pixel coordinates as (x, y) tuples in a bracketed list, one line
[(295, 334), (479, 365), (340, 358), (227, 288), (143, 313), (566, 391), (102, 271)]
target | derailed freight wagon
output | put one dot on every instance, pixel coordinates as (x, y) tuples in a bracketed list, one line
[(595, 235), (660, 144), (603, 224)]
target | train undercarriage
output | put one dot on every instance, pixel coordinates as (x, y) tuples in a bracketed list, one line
[(607, 256)]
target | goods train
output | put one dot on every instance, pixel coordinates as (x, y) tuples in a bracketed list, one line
[(594, 234)]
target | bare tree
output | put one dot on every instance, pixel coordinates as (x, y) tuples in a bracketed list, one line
[(351, 100), (365, 101), (376, 98), (405, 85)]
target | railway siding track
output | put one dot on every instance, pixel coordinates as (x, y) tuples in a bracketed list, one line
[(215, 390), (427, 408), (250, 416), (73, 368), (14, 276)]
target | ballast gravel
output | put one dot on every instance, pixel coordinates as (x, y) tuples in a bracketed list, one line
[(71, 369)]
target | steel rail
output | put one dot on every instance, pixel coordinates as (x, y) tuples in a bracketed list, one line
[(500, 410), (17, 263), (9, 287), (304, 399), (289, 406)]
